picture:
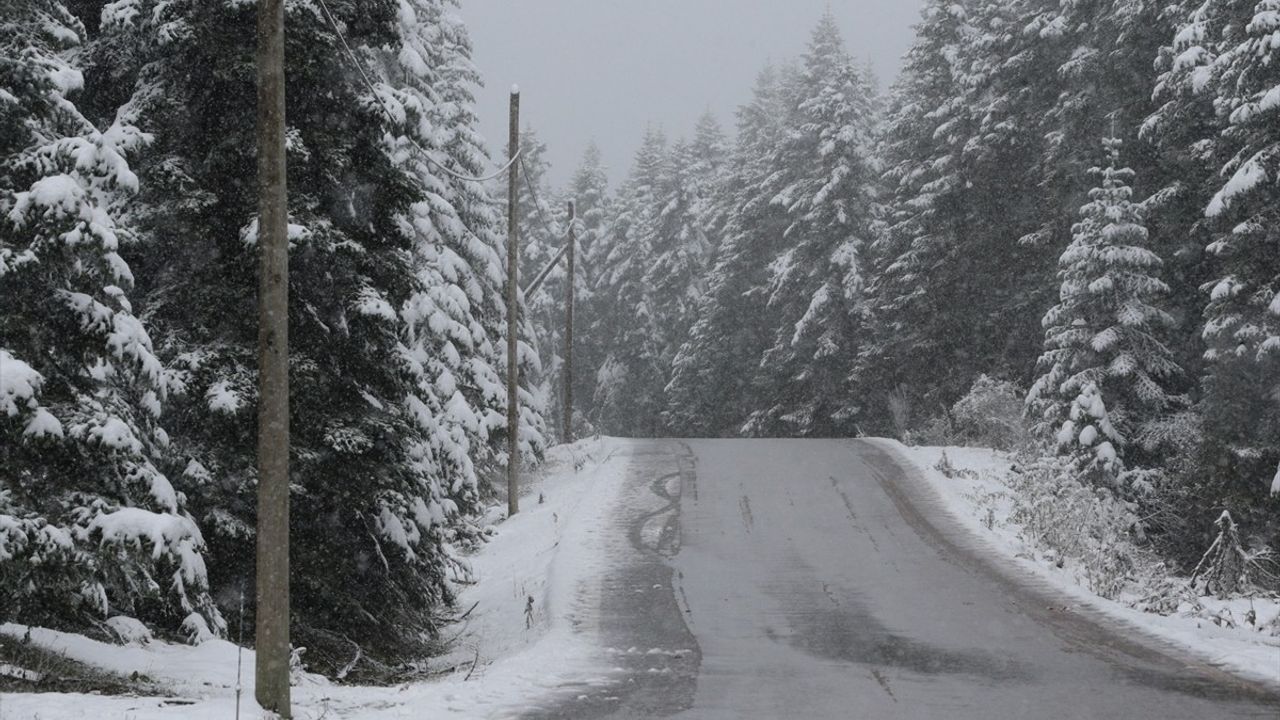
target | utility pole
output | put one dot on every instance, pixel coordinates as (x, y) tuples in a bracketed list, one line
[(272, 667), (513, 310), (568, 330)]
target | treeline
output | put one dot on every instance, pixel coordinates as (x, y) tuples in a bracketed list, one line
[(1064, 217), (128, 328)]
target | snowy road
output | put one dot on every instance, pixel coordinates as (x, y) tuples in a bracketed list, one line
[(818, 579)]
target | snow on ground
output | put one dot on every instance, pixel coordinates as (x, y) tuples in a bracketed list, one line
[(503, 656), (980, 501)]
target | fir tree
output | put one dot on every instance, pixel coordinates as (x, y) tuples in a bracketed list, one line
[(477, 239), (924, 221), (708, 171), (90, 523), (397, 313), (542, 220), (629, 382), (955, 284), (815, 283), (1242, 320), (1217, 119), (1106, 368), (711, 385), (684, 238), (589, 190)]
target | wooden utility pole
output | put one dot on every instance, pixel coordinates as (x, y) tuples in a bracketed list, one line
[(568, 329), (272, 668), (513, 311)]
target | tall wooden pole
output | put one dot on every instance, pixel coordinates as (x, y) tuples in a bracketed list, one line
[(513, 311), (272, 668), (568, 329)]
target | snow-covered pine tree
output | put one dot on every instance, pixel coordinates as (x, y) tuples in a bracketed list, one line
[(709, 157), (995, 94), (1105, 366), (680, 248), (924, 221), (589, 189), (455, 320), (814, 290), (478, 241), (397, 309), (959, 274), (629, 383), (358, 567), (713, 372), (1220, 94), (1242, 320), (90, 524), (1104, 56), (999, 277), (684, 239)]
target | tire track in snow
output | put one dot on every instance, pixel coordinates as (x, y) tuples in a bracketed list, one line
[(653, 656)]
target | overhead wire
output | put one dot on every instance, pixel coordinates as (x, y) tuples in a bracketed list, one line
[(537, 204), (518, 156), (546, 225), (355, 61)]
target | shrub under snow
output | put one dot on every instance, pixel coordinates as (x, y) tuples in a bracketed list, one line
[(1075, 521), (991, 414)]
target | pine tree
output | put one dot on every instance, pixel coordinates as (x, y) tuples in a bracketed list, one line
[(1242, 320), (90, 523), (953, 286), (815, 283), (589, 190), (397, 313), (709, 153), (684, 238), (457, 317), (477, 239), (629, 383), (1105, 366), (1217, 121), (711, 385), (925, 220)]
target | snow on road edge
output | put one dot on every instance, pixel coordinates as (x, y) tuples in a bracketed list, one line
[(1240, 651), (549, 551)]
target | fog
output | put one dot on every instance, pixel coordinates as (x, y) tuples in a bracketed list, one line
[(604, 69)]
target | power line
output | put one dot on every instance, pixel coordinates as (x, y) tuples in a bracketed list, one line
[(517, 157), (564, 248), (387, 111), (537, 204)]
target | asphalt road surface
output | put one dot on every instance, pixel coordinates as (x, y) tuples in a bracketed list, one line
[(820, 579)]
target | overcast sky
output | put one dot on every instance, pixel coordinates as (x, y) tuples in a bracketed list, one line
[(604, 69)]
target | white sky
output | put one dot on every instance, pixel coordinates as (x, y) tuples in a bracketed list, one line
[(604, 69)]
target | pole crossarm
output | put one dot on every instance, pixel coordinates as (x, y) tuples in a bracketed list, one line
[(542, 276)]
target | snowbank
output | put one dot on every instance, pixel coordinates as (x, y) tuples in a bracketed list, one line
[(979, 500), (504, 657)]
